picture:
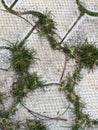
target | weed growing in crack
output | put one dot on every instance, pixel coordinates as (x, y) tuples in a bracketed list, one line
[(6, 123), (21, 58), (35, 125), (81, 120), (86, 54), (1, 98), (25, 83), (47, 28), (83, 10), (20, 61)]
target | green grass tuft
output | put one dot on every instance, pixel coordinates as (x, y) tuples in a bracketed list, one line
[(35, 125), (47, 24), (47, 28), (21, 58), (6, 123), (87, 55), (26, 83), (1, 98)]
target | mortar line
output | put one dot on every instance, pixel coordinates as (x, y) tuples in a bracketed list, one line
[(79, 17)]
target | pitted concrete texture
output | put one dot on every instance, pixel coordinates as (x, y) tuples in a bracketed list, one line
[(51, 63)]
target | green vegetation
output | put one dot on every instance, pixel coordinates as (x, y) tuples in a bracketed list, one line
[(85, 55), (24, 84), (83, 10), (35, 125), (47, 28), (81, 120), (21, 58), (6, 123), (1, 98)]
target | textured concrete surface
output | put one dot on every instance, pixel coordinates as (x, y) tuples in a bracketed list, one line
[(51, 102)]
